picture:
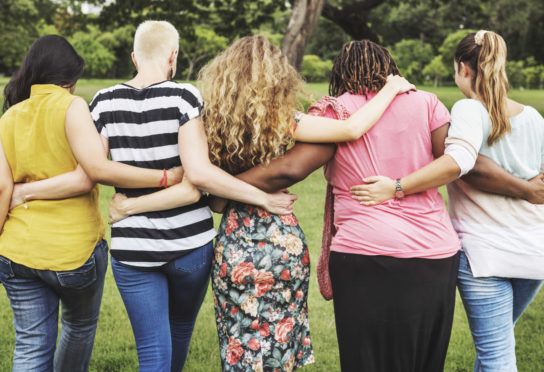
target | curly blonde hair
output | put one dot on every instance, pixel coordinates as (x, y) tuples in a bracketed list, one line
[(250, 96)]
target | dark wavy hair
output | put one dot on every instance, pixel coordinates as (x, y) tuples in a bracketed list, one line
[(50, 60), (361, 67)]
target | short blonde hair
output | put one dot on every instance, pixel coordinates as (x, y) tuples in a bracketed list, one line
[(155, 40)]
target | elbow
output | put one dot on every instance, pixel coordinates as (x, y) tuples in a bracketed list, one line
[(84, 182), (6, 189), (94, 173), (97, 173), (352, 133), (193, 195), (197, 178), (293, 173)]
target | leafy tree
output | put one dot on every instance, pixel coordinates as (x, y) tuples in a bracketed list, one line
[(449, 45), (121, 46), (436, 70), (91, 45), (412, 56), (194, 52), (17, 27), (532, 75), (514, 69), (521, 23), (327, 40), (314, 69), (233, 18), (352, 16)]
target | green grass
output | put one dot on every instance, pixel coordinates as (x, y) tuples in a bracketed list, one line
[(115, 349)]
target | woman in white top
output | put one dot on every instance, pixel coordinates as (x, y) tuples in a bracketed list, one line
[(502, 265)]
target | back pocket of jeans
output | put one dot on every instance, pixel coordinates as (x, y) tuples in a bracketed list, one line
[(6, 272), (79, 278), (195, 260)]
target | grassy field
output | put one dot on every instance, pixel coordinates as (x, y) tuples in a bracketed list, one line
[(115, 349)]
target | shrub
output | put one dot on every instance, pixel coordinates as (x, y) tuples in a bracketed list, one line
[(436, 71), (314, 69), (412, 55), (98, 58)]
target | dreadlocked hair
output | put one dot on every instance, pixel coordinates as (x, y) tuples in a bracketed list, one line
[(361, 67)]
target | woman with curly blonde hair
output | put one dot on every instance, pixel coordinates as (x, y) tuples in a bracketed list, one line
[(261, 268)]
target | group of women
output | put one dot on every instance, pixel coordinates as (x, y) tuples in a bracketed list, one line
[(391, 256)]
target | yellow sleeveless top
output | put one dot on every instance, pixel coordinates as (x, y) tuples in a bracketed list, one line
[(57, 235)]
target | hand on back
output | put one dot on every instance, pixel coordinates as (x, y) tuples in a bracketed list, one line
[(280, 202), (375, 190), (400, 84), (536, 194)]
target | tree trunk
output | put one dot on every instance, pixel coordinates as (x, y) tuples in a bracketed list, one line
[(301, 26), (190, 69)]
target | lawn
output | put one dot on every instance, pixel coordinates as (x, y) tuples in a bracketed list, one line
[(115, 349)]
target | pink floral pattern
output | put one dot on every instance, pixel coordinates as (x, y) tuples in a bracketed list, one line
[(260, 283)]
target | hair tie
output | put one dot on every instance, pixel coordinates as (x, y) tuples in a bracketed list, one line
[(479, 37)]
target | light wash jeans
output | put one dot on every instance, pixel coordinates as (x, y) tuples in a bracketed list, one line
[(35, 295), (162, 304), (493, 305)]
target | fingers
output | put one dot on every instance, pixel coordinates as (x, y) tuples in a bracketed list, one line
[(360, 188), (360, 193), (372, 179)]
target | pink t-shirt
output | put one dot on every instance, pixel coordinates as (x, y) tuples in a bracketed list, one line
[(398, 144)]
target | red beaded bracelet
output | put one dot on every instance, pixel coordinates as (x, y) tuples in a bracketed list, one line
[(164, 179)]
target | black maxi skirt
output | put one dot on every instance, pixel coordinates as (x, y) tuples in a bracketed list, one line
[(393, 314)]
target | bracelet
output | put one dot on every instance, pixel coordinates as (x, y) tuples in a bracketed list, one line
[(164, 180)]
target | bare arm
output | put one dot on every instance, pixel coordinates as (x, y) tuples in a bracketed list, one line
[(489, 177), (299, 162), (6, 186), (193, 149), (89, 152), (321, 129), (441, 171), (66, 185), (63, 186), (176, 196), (486, 176)]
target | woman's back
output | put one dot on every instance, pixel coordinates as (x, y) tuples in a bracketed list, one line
[(496, 230), (141, 126), (398, 144), (46, 234)]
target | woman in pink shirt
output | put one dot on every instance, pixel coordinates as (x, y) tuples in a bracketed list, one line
[(393, 267)]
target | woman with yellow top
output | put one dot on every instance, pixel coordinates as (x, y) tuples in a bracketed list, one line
[(53, 250)]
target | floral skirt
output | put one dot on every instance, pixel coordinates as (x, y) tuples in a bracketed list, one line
[(260, 281)]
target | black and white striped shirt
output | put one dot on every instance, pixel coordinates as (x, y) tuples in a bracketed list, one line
[(141, 126)]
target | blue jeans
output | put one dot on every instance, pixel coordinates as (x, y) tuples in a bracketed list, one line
[(493, 305), (35, 295), (162, 305)]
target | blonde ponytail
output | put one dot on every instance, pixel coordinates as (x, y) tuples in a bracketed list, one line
[(486, 52)]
